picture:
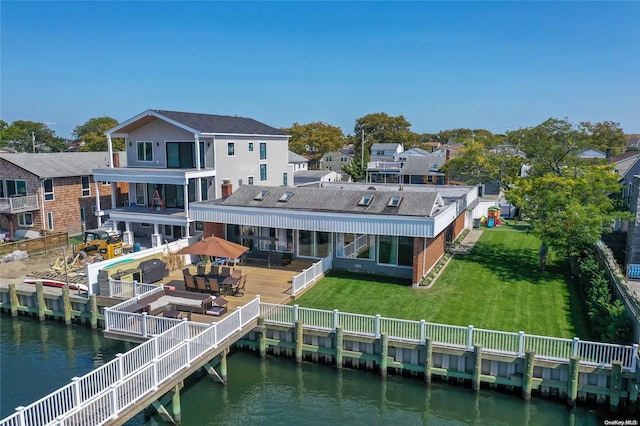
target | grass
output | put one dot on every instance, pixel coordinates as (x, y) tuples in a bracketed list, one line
[(497, 286)]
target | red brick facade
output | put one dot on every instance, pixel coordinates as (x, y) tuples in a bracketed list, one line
[(458, 225), (68, 200), (211, 228)]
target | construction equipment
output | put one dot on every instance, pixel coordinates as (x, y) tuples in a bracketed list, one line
[(99, 242)]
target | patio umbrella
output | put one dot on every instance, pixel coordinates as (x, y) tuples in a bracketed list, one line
[(214, 246)]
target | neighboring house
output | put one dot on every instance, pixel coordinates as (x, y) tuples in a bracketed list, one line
[(627, 166), (307, 177), (336, 160), (424, 169), (376, 229), (385, 151), (592, 154), (411, 152), (54, 191), (175, 158), (297, 162), (633, 142)]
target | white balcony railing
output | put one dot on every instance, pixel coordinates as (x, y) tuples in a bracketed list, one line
[(19, 204)]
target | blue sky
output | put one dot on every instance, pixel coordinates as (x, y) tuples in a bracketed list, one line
[(443, 65)]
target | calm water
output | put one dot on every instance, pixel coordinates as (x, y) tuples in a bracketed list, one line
[(37, 358)]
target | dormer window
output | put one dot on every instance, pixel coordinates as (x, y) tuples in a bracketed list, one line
[(261, 195), (285, 197), (394, 201), (365, 200)]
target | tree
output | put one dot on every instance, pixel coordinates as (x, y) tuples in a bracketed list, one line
[(30, 136), (605, 135), (315, 139), (92, 133)]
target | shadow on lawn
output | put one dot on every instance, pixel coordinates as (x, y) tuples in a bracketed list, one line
[(511, 264), (369, 278)]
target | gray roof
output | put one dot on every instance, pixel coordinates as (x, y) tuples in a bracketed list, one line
[(209, 123), (421, 166), (312, 173), (385, 146), (422, 204), (297, 158), (623, 166), (61, 164)]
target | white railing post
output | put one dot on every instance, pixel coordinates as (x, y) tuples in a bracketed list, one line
[(576, 342), (135, 287), (239, 317), (520, 344), (76, 390), (143, 325), (335, 319), (423, 331), (215, 335), (470, 338), (186, 342), (155, 348), (119, 358), (114, 401), (60, 420), (185, 328), (20, 411), (295, 313), (155, 374), (377, 326), (107, 318), (110, 287), (634, 359)]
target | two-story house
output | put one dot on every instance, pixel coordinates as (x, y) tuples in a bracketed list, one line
[(336, 160), (174, 158), (53, 191)]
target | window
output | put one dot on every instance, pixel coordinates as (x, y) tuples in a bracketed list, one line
[(106, 183), (16, 188), (394, 201), (263, 150), (47, 187), (365, 200), (50, 221), (356, 246), (250, 180), (145, 225), (394, 250), (231, 149), (83, 217), (1, 189), (25, 219), (285, 197), (199, 226), (261, 195), (86, 189), (250, 146), (182, 155), (285, 179), (145, 151), (263, 172)]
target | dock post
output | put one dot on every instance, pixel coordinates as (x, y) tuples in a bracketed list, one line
[(428, 350), (262, 339), (527, 379), (384, 350), (616, 385), (339, 346), (14, 301), (299, 339), (477, 367), (574, 375), (66, 305), (175, 403), (40, 301), (93, 300), (223, 366)]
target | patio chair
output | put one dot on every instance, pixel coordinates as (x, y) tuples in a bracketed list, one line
[(238, 290), (237, 274), (201, 284), (214, 270), (225, 271), (214, 286), (190, 283)]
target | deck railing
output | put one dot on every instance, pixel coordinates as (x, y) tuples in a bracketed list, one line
[(309, 275), (19, 204), (496, 342), (102, 394), (128, 289)]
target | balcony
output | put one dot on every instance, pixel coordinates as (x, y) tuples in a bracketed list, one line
[(150, 175), (19, 204), (391, 166)]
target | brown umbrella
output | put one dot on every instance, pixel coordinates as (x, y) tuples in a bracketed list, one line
[(214, 246)]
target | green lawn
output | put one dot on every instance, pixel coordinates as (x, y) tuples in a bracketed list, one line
[(497, 286)]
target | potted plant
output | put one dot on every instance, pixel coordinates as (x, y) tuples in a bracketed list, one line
[(286, 258)]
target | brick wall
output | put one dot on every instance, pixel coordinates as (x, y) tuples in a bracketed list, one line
[(211, 228), (458, 225), (425, 258)]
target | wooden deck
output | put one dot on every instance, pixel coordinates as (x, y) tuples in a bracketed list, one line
[(272, 284)]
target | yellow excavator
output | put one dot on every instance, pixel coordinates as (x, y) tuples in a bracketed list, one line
[(99, 241)]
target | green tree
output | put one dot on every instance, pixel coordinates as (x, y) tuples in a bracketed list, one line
[(313, 140), (30, 136), (605, 135), (92, 133)]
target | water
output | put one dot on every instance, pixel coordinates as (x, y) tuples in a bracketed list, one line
[(37, 358)]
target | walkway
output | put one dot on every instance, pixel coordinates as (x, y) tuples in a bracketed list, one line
[(469, 242)]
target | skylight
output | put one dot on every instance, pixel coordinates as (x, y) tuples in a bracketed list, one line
[(365, 200), (261, 195), (394, 201), (285, 197)]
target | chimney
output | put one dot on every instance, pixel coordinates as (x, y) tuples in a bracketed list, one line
[(116, 159), (227, 188)]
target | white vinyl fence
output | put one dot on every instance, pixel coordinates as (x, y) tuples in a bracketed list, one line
[(498, 342), (128, 289), (309, 275), (100, 395)]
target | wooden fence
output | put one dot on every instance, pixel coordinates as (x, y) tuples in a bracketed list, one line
[(41, 245)]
